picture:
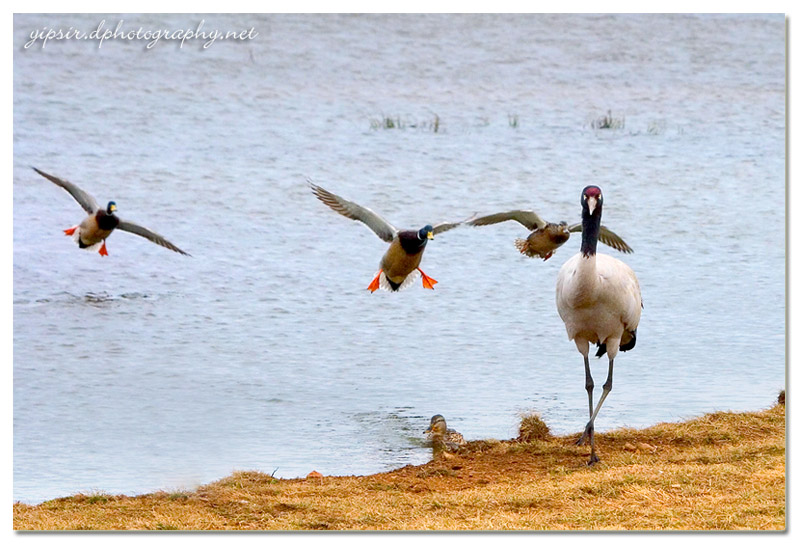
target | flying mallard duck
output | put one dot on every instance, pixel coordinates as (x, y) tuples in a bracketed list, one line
[(442, 436), (400, 264), (546, 237), (100, 222)]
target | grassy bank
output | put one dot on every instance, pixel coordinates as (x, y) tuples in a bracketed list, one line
[(723, 471)]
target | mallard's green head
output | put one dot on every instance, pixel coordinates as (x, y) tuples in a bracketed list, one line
[(426, 233), (111, 208)]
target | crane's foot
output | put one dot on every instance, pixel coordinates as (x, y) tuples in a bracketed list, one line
[(593, 459), (588, 433)]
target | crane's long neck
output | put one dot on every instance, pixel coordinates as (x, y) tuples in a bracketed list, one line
[(585, 281), (591, 228)]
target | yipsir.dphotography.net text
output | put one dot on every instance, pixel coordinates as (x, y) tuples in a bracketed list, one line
[(150, 37)]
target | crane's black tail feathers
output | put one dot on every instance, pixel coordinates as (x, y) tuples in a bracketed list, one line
[(601, 348), (630, 344)]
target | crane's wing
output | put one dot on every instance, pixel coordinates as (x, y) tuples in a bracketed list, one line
[(608, 237), (354, 211), (137, 229), (528, 218), (84, 199)]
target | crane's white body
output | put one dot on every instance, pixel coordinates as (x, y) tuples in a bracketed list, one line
[(599, 300)]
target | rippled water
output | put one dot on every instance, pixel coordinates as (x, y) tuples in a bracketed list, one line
[(148, 370)]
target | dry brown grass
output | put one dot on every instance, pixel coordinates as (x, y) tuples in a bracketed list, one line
[(723, 471), (532, 428)]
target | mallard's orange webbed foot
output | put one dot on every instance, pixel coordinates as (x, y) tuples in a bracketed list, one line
[(427, 281), (376, 283)]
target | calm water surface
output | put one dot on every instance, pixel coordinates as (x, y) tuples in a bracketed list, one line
[(148, 370)]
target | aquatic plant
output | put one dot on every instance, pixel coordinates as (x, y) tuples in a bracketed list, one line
[(386, 122), (609, 122), (656, 127)]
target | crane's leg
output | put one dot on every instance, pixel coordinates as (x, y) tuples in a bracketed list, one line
[(589, 382), (588, 433), (583, 347), (589, 390)]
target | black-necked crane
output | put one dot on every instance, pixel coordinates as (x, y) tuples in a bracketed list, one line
[(599, 300)]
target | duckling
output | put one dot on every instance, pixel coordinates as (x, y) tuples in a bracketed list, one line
[(546, 237), (101, 222), (442, 436), (399, 267)]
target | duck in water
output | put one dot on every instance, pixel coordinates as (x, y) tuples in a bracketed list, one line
[(442, 436)]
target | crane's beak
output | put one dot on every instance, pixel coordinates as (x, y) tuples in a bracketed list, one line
[(592, 203)]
